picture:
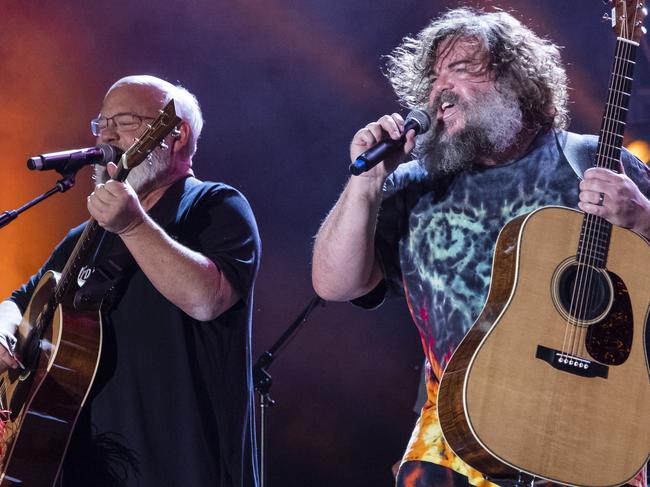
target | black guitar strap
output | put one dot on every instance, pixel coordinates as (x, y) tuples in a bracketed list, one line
[(99, 281)]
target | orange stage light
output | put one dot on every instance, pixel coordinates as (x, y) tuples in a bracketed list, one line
[(641, 149)]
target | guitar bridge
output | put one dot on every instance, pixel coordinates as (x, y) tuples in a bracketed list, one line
[(571, 363)]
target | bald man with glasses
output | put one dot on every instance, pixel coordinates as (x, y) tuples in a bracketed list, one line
[(171, 403)]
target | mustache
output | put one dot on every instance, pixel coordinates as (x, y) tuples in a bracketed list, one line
[(445, 96)]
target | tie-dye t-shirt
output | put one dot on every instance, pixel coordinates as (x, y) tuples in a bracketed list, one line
[(435, 239)]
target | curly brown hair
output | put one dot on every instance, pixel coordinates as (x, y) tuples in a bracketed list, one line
[(519, 59)]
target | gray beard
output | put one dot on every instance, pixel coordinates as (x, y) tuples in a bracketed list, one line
[(491, 128), (150, 174)]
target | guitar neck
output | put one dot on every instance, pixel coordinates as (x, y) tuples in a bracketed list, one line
[(618, 101), (85, 245), (596, 232), (80, 255)]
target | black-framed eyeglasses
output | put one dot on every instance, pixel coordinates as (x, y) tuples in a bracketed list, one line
[(121, 121)]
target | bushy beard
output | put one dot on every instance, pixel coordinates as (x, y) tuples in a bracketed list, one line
[(491, 127), (147, 176)]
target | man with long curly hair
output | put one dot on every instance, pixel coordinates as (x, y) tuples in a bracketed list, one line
[(496, 94)]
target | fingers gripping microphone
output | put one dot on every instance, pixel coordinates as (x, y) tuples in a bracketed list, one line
[(73, 160), (417, 120)]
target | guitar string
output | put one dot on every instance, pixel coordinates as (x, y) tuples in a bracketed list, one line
[(610, 148), (64, 279), (73, 260), (576, 305), (612, 152), (61, 286), (592, 230), (594, 225), (583, 262), (569, 334), (628, 29)]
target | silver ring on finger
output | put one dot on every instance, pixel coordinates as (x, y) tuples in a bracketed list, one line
[(601, 199)]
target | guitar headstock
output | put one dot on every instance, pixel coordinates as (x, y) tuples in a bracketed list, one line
[(144, 145), (627, 19)]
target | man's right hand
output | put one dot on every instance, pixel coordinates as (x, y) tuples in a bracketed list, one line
[(10, 318), (344, 265), (6, 360), (388, 126)]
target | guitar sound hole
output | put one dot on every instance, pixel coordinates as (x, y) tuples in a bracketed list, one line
[(584, 292)]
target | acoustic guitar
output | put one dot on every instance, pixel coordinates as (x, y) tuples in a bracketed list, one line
[(58, 344), (552, 381)]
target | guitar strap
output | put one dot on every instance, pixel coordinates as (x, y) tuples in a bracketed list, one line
[(106, 271), (578, 150)]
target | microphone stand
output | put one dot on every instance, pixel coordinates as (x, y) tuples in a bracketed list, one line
[(62, 185), (262, 380)]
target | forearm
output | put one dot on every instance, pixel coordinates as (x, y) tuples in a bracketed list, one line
[(187, 278), (344, 262)]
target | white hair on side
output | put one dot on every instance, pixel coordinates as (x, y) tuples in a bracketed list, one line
[(187, 106)]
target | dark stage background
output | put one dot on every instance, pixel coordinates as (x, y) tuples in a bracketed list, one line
[(284, 84)]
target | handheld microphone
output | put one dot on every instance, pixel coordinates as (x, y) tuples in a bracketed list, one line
[(417, 120), (73, 160)]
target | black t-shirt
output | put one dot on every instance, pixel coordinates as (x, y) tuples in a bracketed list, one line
[(172, 402)]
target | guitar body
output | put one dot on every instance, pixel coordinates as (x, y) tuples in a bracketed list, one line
[(42, 403), (505, 403)]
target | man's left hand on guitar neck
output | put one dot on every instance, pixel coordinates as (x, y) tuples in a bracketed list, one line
[(616, 198)]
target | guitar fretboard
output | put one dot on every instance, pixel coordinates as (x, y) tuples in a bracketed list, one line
[(596, 231)]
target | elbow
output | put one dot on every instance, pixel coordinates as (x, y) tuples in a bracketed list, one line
[(211, 307), (203, 313), (338, 285), (320, 285), (215, 299), (206, 311), (325, 293), (330, 291)]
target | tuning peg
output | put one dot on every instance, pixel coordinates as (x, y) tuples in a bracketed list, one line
[(607, 17), (176, 133), (163, 145)]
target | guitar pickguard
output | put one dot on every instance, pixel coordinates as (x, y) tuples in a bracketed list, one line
[(610, 340)]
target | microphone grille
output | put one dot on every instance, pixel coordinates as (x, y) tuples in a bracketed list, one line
[(422, 118), (110, 153)]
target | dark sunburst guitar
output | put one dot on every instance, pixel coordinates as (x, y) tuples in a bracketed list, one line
[(59, 348), (552, 381)]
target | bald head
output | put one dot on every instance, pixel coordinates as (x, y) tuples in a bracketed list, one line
[(157, 92)]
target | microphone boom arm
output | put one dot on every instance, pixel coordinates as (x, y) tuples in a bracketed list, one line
[(62, 185)]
